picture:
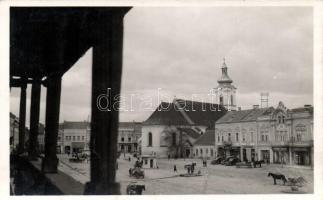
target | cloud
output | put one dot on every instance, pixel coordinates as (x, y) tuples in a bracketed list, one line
[(181, 50)]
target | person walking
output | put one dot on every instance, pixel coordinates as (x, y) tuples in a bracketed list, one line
[(175, 168)]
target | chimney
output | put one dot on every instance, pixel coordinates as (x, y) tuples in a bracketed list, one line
[(255, 106)]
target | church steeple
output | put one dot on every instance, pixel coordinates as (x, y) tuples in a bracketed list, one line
[(226, 92), (225, 77)]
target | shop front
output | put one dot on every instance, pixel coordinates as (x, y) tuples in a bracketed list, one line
[(301, 156), (280, 155)]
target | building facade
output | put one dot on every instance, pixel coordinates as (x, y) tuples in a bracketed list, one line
[(173, 128), (204, 147), (276, 135), (73, 137), (128, 137)]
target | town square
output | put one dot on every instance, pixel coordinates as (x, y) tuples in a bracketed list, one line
[(161, 100)]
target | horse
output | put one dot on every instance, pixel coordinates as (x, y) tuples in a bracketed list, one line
[(258, 162), (277, 176), (134, 189)]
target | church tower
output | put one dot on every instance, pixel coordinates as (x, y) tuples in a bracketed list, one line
[(225, 92)]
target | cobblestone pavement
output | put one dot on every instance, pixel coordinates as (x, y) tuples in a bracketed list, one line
[(215, 179)]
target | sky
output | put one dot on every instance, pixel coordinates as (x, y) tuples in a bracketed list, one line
[(178, 52)]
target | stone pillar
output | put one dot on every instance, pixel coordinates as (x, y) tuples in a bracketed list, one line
[(106, 81), (34, 119), (50, 162), (22, 118)]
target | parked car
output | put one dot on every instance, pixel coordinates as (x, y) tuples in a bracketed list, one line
[(226, 159), (232, 161), (217, 161)]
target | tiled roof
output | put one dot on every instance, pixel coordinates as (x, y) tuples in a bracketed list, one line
[(303, 109), (243, 115), (190, 132), (184, 112), (74, 125), (208, 138)]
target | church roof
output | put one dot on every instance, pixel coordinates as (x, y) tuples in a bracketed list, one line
[(185, 112)]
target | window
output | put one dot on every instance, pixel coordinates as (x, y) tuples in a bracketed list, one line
[(122, 139), (222, 138), (206, 151), (262, 138), (231, 99), (78, 138), (266, 137), (243, 137), (201, 151), (146, 162), (58, 138), (83, 138), (150, 139), (283, 119), (73, 138), (237, 137), (174, 139), (211, 152), (221, 100), (197, 152), (129, 139), (229, 136), (66, 137), (279, 119), (251, 136), (218, 138)]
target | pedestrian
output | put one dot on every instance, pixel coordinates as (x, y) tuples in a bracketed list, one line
[(168, 157), (129, 159), (189, 170), (175, 168)]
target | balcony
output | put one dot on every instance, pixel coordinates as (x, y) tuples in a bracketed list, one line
[(227, 143)]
